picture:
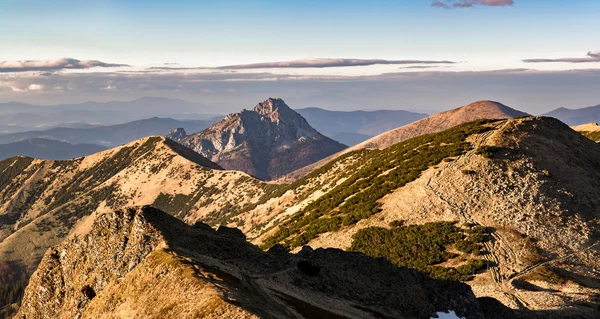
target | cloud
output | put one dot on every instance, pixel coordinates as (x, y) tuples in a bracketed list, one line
[(307, 63), (326, 63), (52, 65), (532, 90), (450, 4), (591, 57), (421, 67), (33, 87)]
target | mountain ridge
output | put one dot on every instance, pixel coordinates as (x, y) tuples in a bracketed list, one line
[(576, 116), (43, 202), (112, 135), (434, 123), (209, 273), (520, 179), (47, 149)]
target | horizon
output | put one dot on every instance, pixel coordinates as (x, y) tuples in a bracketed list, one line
[(208, 112), (409, 55)]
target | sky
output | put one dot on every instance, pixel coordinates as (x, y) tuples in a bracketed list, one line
[(425, 55)]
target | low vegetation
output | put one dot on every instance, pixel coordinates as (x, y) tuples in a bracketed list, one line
[(424, 247), (593, 135), (487, 151), (381, 172)]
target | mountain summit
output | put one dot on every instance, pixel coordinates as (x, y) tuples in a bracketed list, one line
[(268, 141)]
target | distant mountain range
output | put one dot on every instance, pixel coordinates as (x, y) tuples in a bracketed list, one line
[(18, 117), (47, 149), (267, 142), (356, 126), (112, 135), (576, 116)]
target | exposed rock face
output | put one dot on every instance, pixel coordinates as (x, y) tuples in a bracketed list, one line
[(177, 134), (268, 141), (144, 263), (431, 124)]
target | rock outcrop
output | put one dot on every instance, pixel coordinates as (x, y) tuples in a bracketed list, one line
[(177, 134), (267, 142), (141, 262)]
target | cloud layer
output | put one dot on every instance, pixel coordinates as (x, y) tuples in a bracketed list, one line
[(591, 57), (326, 63), (308, 63), (532, 91), (450, 4), (52, 65)]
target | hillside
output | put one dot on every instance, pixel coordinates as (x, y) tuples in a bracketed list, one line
[(109, 136), (199, 272), (44, 201), (589, 130), (576, 116), (268, 141), (47, 149), (356, 126), (431, 124), (523, 195)]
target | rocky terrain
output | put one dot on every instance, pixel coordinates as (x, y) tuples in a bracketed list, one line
[(589, 130), (431, 124), (532, 183), (143, 263), (44, 201), (267, 142)]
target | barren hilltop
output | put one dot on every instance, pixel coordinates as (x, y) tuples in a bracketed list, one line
[(431, 124)]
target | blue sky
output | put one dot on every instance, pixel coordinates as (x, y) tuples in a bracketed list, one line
[(144, 34), (230, 32)]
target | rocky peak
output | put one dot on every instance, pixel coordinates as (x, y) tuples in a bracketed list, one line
[(264, 141), (272, 105), (177, 134)]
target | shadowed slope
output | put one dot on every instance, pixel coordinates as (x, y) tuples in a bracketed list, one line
[(199, 272)]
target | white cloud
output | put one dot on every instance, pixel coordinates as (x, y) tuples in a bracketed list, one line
[(591, 57), (52, 65), (309, 63), (35, 87)]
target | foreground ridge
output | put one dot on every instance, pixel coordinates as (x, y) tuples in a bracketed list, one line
[(143, 262)]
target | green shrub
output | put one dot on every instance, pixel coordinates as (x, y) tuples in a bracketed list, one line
[(594, 136), (380, 173), (423, 247), (487, 151)]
